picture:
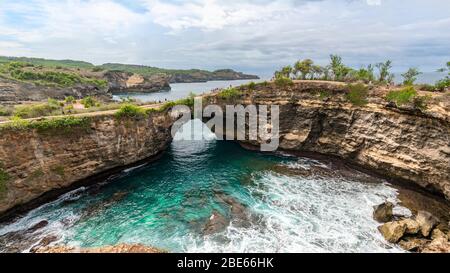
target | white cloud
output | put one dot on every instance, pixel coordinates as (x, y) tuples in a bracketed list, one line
[(251, 34), (373, 2)]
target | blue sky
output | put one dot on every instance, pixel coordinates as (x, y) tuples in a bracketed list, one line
[(249, 35)]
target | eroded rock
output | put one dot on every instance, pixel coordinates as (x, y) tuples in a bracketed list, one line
[(427, 222), (413, 244), (393, 231), (383, 212), (216, 223), (412, 226)]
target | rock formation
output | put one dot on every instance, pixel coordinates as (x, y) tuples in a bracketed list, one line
[(38, 161), (316, 119), (121, 82)]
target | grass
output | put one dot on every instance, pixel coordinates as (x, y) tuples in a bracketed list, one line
[(230, 93), (28, 72), (283, 82), (403, 96), (59, 170), (357, 94), (54, 125), (128, 111)]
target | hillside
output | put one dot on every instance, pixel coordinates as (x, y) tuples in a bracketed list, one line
[(175, 75)]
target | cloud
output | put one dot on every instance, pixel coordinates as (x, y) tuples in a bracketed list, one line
[(254, 35), (373, 2)]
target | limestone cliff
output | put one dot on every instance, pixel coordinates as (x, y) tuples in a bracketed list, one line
[(35, 162), (315, 118), (120, 82)]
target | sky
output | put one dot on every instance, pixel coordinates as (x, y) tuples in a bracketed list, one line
[(254, 36)]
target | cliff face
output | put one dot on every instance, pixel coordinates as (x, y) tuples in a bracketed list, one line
[(128, 82), (404, 145), (13, 91), (37, 162)]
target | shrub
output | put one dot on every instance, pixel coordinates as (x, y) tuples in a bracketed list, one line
[(283, 82), (252, 85), (443, 84), (401, 97), (357, 94), (37, 110), (230, 93), (130, 111), (56, 125), (421, 102), (323, 94), (410, 76), (69, 100), (6, 111), (88, 102)]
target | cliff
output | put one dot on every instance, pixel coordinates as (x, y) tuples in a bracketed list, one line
[(120, 82), (399, 144), (43, 160)]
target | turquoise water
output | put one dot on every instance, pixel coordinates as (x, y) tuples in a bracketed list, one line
[(291, 205)]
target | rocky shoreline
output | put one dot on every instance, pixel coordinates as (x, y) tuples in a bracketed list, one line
[(422, 232)]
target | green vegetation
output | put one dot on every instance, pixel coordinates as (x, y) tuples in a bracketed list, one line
[(89, 102), (230, 93), (357, 94), (410, 76), (47, 63), (6, 111), (60, 125), (408, 95), (336, 70), (130, 111), (28, 72), (59, 170), (324, 94), (251, 85), (283, 82), (51, 108), (189, 101), (4, 178)]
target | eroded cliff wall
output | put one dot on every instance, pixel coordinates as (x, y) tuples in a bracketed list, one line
[(315, 117), (34, 162)]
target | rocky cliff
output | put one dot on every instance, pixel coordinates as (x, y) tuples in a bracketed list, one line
[(204, 76), (316, 119), (39, 161), (120, 82), (12, 91)]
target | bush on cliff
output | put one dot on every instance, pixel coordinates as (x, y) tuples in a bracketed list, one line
[(130, 111), (283, 82), (357, 94), (53, 125), (52, 107), (403, 96), (230, 93)]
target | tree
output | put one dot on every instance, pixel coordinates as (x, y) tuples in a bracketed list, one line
[(304, 68), (340, 71), (385, 75), (286, 71), (410, 76)]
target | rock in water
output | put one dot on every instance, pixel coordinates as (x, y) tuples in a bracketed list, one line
[(427, 222), (412, 226), (383, 213), (393, 231), (215, 224)]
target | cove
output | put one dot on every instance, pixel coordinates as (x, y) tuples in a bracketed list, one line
[(279, 203)]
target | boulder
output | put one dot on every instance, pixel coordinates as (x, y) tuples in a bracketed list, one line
[(427, 222), (439, 245), (383, 212), (412, 226), (216, 223), (393, 231), (413, 244), (437, 234)]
